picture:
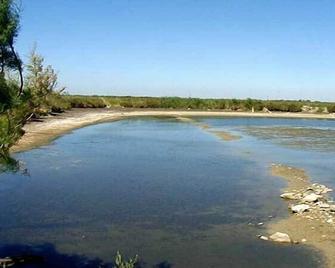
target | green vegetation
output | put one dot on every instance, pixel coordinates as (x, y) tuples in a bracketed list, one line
[(19, 100), (12, 98), (121, 263), (194, 103)]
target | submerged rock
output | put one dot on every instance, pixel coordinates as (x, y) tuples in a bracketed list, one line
[(280, 238), (300, 208)]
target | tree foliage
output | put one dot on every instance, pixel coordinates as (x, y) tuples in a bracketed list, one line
[(41, 81), (9, 27)]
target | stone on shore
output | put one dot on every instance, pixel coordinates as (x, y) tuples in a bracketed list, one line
[(311, 198), (280, 238), (264, 238), (300, 208), (290, 196), (323, 205)]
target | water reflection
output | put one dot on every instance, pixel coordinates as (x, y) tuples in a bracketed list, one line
[(9, 164)]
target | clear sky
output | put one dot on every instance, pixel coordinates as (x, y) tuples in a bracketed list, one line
[(193, 48)]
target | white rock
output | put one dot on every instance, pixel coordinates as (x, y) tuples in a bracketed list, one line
[(324, 205), (303, 240), (291, 196), (311, 197), (300, 208), (264, 238), (330, 221), (332, 208), (326, 190), (260, 223), (280, 237)]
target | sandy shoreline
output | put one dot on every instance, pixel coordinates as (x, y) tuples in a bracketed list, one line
[(40, 133), (309, 228)]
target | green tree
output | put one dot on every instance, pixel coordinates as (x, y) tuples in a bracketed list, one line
[(9, 27), (40, 82), (13, 107)]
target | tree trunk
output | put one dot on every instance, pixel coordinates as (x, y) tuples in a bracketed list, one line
[(19, 68)]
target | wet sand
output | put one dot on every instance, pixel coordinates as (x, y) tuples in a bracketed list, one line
[(226, 136), (309, 228), (49, 128)]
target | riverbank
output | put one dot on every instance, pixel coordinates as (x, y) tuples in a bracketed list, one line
[(48, 128), (313, 225)]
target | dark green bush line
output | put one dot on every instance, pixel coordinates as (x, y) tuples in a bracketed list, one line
[(78, 101)]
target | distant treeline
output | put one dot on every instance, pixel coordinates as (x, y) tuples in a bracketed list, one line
[(79, 101)]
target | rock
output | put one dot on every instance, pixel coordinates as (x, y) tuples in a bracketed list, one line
[(332, 208), (303, 240), (326, 190), (323, 205), (320, 188), (300, 208), (311, 198), (280, 237), (264, 238), (260, 223), (290, 196), (330, 221)]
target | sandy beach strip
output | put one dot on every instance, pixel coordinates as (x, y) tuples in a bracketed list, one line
[(48, 128)]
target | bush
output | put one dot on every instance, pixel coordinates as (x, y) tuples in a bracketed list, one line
[(331, 108)]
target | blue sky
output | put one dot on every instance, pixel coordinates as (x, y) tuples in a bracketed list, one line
[(195, 48)]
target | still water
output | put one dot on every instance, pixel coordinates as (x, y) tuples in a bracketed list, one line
[(169, 191)]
